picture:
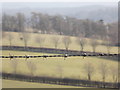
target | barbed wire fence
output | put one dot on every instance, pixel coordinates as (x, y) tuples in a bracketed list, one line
[(56, 53), (63, 55)]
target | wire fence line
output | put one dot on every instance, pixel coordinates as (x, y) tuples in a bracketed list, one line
[(60, 81), (64, 55), (62, 52), (44, 50)]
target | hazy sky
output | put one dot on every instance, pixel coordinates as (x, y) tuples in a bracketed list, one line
[(59, 0), (53, 4)]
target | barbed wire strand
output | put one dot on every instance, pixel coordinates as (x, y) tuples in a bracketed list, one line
[(63, 55)]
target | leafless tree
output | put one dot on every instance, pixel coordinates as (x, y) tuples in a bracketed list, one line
[(81, 41), (10, 38), (94, 43), (32, 67), (55, 41), (40, 40), (66, 42), (3, 34), (103, 68), (60, 70), (21, 22), (112, 33), (114, 73), (108, 44), (89, 69), (11, 28), (26, 37), (14, 64)]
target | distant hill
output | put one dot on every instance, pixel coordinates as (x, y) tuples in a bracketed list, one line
[(93, 12)]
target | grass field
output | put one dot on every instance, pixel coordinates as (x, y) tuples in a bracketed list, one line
[(72, 67), (49, 43), (20, 84)]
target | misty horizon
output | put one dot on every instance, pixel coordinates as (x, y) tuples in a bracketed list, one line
[(17, 5)]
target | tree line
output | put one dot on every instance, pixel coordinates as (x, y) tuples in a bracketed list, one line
[(88, 69), (62, 25), (67, 41)]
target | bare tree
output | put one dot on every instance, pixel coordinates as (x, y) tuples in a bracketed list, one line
[(21, 22), (2, 35), (114, 73), (89, 69), (40, 40), (57, 24), (14, 64), (94, 43), (103, 70), (11, 28), (66, 42), (81, 41), (108, 44), (32, 67), (10, 37), (60, 70), (26, 37), (55, 41), (112, 33)]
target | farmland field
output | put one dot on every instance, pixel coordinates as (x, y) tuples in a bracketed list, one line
[(72, 67), (20, 84), (59, 45), (49, 44)]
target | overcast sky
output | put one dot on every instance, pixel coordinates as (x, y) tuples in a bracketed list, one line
[(53, 4), (59, 0)]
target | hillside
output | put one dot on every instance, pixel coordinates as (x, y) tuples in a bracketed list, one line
[(59, 45), (94, 11), (71, 67), (48, 42)]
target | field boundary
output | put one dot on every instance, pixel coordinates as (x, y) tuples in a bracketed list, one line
[(45, 50), (59, 81), (57, 51)]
